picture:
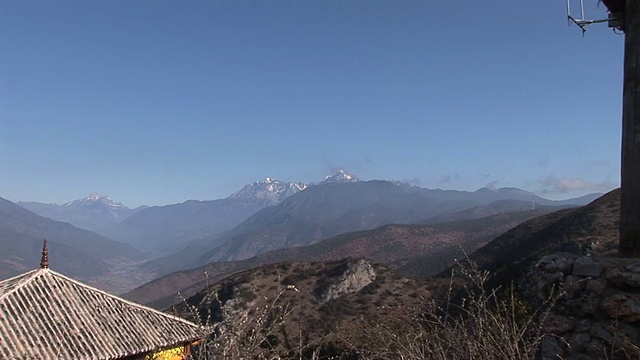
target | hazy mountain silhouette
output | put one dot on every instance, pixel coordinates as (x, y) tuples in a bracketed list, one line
[(325, 210), (76, 252), (165, 229), (494, 208), (162, 230), (93, 212)]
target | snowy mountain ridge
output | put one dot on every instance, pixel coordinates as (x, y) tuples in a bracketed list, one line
[(270, 191), (274, 191), (92, 212), (340, 176), (94, 197)]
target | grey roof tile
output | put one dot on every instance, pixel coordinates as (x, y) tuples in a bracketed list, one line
[(46, 315)]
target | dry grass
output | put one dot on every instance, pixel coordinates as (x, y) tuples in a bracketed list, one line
[(252, 335), (244, 334), (485, 324)]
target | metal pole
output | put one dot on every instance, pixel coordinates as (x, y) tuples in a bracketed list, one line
[(630, 164)]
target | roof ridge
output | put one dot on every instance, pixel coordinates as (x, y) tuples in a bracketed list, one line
[(48, 315), (27, 277), (128, 302)]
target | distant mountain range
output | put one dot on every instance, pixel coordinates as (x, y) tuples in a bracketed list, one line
[(271, 214), (270, 191), (340, 176), (333, 208), (75, 252), (93, 212), (162, 230)]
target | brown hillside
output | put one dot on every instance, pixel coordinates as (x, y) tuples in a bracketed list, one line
[(392, 245), (302, 306)]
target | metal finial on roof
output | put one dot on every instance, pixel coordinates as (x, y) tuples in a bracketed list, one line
[(44, 263)]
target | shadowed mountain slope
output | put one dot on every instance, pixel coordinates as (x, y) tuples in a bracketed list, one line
[(488, 194), (319, 212), (308, 216), (330, 209), (163, 230), (166, 229), (494, 208), (392, 245)]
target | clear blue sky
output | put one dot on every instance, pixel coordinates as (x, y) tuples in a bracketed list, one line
[(157, 102)]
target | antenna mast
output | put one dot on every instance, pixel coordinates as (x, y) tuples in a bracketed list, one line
[(615, 17)]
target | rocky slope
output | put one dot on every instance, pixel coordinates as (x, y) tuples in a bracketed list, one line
[(568, 262), (595, 312), (301, 307)]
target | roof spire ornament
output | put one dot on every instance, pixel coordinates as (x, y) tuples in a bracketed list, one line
[(44, 263)]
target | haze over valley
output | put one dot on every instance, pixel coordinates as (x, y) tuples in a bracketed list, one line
[(262, 217), (355, 179)]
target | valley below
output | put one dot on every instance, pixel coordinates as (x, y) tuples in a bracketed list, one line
[(326, 256), (121, 277)]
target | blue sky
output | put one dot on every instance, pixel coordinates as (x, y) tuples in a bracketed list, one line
[(157, 102)]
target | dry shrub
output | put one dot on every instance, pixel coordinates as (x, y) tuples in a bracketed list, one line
[(483, 324), (244, 333)]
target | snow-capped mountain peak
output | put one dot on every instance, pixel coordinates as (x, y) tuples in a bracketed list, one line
[(270, 191), (94, 198), (94, 211), (340, 176)]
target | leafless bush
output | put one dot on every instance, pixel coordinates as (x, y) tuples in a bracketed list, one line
[(484, 324), (244, 333)]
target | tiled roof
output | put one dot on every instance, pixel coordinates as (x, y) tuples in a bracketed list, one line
[(46, 315)]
